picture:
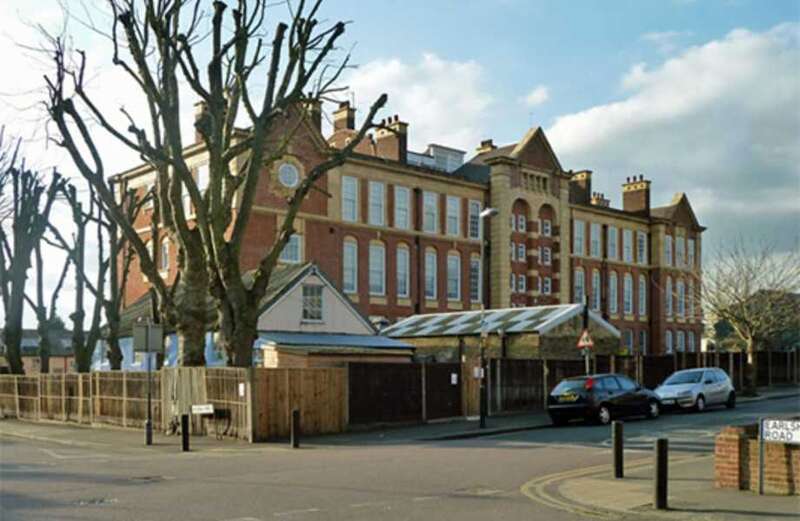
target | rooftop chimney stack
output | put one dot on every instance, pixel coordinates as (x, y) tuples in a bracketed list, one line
[(599, 199), (636, 195), (487, 145), (580, 187), (391, 142), (344, 118)]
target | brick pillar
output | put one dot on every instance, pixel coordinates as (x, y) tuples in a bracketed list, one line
[(730, 458)]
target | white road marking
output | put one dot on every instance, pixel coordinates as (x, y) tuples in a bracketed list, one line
[(243, 519), (54, 454), (295, 512), (369, 504), (425, 498)]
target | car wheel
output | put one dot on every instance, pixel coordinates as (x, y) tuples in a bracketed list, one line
[(700, 404), (653, 409), (731, 402), (604, 415)]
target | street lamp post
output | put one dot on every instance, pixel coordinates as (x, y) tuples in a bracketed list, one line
[(484, 215)]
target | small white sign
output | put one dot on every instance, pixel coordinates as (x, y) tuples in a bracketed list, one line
[(205, 408), (453, 378), (241, 389), (781, 431), (477, 372)]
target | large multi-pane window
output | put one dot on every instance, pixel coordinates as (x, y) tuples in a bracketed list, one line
[(613, 298), (453, 215), (613, 250), (377, 269), (402, 207), (594, 240), (430, 212), (453, 276), (681, 298), (579, 286), (475, 279), (546, 257), (403, 263), (595, 290), (578, 238), (547, 285), (641, 247), (680, 341), (668, 341), (668, 250), (627, 245), (521, 254), (430, 274), (691, 299), (522, 283), (312, 302), (474, 219), (349, 199), (680, 252), (522, 223), (643, 341), (627, 294), (292, 252), (642, 295), (376, 203), (547, 227), (350, 266), (690, 253), (690, 342), (668, 296)]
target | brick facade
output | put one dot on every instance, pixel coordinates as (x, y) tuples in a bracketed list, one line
[(537, 202)]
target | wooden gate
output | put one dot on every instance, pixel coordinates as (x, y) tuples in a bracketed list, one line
[(442, 390), (384, 393)]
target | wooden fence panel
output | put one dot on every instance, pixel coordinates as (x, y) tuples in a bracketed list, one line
[(521, 385), (226, 391), (657, 369), (384, 393), (442, 395), (8, 396), (28, 389)]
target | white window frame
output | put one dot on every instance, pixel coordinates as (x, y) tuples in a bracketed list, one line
[(522, 283), (547, 285), (474, 219), (680, 251), (596, 290), (512, 282), (350, 286), (349, 204), (377, 203), (475, 279), (521, 252), (594, 240), (547, 256), (402, 207), (627, 294), (513, 246), (613, 293), (403, 271), (642, 295), (310, 305), (377, 269), (680, 341), (522, 222), (668, 296), (579, 285), (641, 247), (430, 212), (431, 278), (681, 291), (295, 240), (578, 237), (668, 346), (454, 276), (627, 245), (668, 250), (612, 239), (453, 215), (547, 228), (690, 298), (690, 253)]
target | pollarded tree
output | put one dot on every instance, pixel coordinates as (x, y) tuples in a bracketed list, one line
[(752, 287), (251, 89)]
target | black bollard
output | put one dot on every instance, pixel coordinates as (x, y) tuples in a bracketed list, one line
[(660, 491), (295, 435), (185, 432), (618, 443)]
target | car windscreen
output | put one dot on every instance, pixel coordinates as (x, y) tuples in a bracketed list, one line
[(691, 377), (569, 385)]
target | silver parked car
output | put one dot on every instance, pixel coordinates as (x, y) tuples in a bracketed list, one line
[(697, 388)]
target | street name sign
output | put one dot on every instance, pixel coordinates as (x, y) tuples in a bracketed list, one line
[(204, 408), (781, 431)]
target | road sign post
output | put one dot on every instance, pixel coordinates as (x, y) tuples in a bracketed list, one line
[(148, 337), (585, 344)]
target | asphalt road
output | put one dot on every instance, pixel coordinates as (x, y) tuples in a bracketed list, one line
[(332, 478)]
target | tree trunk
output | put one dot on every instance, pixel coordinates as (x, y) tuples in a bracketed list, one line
[(751, 375), (12, 330), (237, 337), (44, 348), (191, 305), (114, 352)]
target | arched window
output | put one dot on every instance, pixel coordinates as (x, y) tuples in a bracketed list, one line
[(668, 296), (627, 294), (595, 290), (430, 273), (613, 299), (642, 295), (377, 268), (453, 276), (580, 285), (350, 266), (681, 299), (403, 262)]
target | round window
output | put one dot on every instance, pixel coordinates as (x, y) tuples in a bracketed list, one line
[(288, 175)]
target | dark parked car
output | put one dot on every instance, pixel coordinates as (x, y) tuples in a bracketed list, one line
[(600, 398)]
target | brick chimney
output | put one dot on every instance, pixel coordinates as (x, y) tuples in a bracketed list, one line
[(599, 199), (392, 142), (636, 195), (313, 108), (487, 145), (344, 117), (580, 187)]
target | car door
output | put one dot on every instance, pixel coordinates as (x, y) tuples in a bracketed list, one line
[(612, 393), (720, 386), (629, 397), (710, 387)]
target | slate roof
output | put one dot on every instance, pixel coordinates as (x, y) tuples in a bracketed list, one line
[(332, 340), (537, 319)]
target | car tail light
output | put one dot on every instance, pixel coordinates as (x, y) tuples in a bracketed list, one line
[(589, 384)]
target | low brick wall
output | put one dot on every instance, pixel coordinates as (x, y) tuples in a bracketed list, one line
[(736, 462)]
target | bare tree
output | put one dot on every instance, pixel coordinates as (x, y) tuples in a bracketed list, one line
[(26, 200), (751, 288), (162, 44), (49, 324)]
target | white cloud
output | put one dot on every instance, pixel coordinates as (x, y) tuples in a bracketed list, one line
[(443, 101), (718, 121), (536, 97), (665, 41)]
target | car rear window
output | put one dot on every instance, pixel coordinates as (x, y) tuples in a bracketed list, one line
[(691, 377), (570, 385)]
